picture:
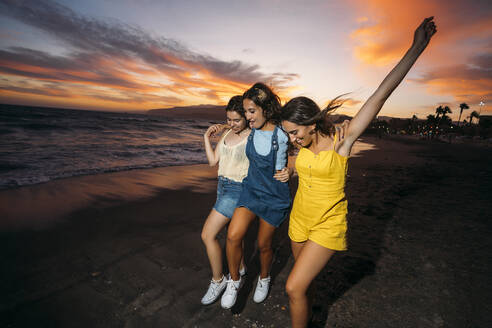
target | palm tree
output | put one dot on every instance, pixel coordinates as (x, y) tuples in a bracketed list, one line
[(446, 110), (438, 111), (462, 107), (443, 111), (446, 120), (472, 115), (413, 123), (435, 122), (430, 123)]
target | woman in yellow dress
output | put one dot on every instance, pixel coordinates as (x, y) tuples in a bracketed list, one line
[(318, 225)]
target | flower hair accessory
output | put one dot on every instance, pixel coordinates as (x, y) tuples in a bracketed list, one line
[(262, 95)]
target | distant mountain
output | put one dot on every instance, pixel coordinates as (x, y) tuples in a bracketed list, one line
[(384, 118), (209, 112)]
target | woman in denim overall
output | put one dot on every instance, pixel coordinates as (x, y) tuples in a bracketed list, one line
[(268, 198), (262, 195)]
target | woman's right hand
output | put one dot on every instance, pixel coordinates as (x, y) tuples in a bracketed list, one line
[(283, 175), (341, 130), (215, 129)]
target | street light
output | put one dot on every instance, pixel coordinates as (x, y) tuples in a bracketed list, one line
[(481, 104)]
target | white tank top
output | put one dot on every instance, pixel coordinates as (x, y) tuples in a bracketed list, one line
[(233, 163)]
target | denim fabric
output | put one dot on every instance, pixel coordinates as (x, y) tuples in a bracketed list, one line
[(228, 192), (262, 194)]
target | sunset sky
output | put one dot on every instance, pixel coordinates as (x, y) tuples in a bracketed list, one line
[(142, 54)]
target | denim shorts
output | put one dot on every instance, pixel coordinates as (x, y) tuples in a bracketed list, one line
[(228, 192)]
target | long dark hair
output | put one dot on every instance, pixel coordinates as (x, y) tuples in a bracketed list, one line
[(265, 98), (235, 104), (304, 111)]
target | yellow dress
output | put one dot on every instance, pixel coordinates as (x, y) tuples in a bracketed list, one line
[(320, 207)]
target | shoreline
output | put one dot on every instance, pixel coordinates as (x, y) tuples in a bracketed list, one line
[(359, 146), (39, 205), (418, 250)]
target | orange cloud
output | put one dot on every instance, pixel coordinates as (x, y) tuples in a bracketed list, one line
[(115, 83), (471, 91), (386, 33), (351, 102), (144, 71), (450, 66)]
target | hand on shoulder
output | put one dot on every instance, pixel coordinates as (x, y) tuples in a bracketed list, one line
[(216, 129), (342, 145)]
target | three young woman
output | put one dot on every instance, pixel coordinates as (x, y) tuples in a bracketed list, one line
[(230, 154), (318, 224)]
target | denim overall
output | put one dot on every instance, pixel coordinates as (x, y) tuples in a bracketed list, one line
[(262, 194)]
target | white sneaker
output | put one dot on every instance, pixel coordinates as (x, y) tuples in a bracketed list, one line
[(230, 295), (242, 271), (214, 290), (261, 290)]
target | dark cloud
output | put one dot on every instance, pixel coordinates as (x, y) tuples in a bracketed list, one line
[(483, 62), (41, 65), (469, 82), (282, 78), (40, 59), (109, 38), (38, 91), (478, 67)]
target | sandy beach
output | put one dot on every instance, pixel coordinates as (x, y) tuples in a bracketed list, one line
[(124, 250)]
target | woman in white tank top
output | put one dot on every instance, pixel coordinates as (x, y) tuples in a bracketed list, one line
[(230, 154)]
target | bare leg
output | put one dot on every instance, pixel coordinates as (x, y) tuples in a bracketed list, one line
[(242, 265), (214, 223), (238, 227), (310, 261), (296, 250), (265, 236)]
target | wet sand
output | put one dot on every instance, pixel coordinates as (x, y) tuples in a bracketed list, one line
[(124, 250)]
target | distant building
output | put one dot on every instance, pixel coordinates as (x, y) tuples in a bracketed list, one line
[(485, 120), (384, 118), (485, 124)]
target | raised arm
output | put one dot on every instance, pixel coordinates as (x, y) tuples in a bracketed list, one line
[(213, 155), (373, 105)]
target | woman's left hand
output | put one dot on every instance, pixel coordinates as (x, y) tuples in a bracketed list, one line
[(283, 175), (424, 33)]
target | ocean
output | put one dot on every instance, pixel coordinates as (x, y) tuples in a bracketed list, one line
[(43, 144)]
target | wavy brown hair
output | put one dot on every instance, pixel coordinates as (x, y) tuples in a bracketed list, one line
[(266, 99), (235, 104), (304, 111)]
